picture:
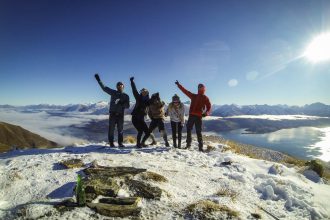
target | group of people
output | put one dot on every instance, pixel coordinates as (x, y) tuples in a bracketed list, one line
[(154, 107)]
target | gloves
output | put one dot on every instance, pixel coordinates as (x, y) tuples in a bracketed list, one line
[(132, 79), (204, 115), (97, 77), (177, 82)]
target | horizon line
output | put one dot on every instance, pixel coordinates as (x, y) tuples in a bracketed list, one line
[(89, 103)]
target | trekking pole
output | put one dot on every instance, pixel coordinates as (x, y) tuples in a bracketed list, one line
[(272, 215)]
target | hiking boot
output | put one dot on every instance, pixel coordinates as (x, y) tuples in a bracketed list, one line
[(153, 143), (201, 149), (112, 144), (174, 145), (187, 147), (167, 144), (121, 145), (143, 144)]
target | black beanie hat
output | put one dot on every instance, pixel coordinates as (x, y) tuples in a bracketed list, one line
[(119, 83), (176, 98), (201, 85)]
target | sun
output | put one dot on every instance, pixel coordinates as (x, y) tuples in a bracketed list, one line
[(319, 49)]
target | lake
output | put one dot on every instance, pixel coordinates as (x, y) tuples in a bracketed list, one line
[(302, 142)]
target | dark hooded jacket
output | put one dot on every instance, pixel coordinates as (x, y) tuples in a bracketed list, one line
[(122, 103), (141, 103)]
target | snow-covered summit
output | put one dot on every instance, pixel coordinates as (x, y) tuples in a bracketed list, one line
[(29, 178)]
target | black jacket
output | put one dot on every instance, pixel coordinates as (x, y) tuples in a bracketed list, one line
[(141, 104), (121, 98)]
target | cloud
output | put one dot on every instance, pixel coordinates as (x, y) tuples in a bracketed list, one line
[(252, 75), (48, 126), (232, 83)]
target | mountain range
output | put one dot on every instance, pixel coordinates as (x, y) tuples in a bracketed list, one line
[(101, 108)]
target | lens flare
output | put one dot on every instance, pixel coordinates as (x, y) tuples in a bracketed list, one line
[(319, 49)]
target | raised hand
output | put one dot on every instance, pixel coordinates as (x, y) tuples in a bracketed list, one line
[(177, 82), (97, 77), (204, 115), (132, 78)]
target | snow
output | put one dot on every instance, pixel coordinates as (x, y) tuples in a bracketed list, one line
[(32, 179)]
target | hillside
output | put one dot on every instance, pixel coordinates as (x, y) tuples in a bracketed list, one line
[(217, 184), (18, 137)]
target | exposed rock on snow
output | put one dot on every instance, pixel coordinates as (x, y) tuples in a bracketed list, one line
[(72, 163), (100, 185), (275, 169), (145, 190), (117, 207)]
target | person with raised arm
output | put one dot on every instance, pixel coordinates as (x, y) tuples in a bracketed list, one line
[(119, 101), (139, 112), (200, 107)]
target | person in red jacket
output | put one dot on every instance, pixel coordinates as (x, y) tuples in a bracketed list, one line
[(200, 107)]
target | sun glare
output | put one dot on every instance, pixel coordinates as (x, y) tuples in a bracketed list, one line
[(319, 49)]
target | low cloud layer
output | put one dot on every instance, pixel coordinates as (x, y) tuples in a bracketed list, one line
[(48, 126)]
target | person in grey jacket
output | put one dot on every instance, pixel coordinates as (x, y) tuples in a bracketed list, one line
[(118, 102), (176, 112)]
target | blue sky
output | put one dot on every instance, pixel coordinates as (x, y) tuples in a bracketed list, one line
[(245, 52)]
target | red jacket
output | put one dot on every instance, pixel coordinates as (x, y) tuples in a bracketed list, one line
[(198, 102)]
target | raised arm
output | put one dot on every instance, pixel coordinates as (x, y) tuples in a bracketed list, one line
[(135, 92), (186, 92), (104, 88)]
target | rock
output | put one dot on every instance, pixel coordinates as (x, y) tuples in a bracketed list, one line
[(275, 169), (153, 176), (90, 197), (100, 185), (66, 205), (113, 171), (72, 163), (120, 201), (145, 190), (226, 163), (117, 207)]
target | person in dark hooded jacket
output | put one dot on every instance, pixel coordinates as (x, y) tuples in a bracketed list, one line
[(118, 102), (139, 112), (200, 107)]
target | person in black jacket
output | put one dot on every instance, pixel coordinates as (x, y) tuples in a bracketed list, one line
[(118, 102), (139, 112)]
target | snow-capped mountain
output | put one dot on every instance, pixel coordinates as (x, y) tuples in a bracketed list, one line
[(316, 109), (102, 108)]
